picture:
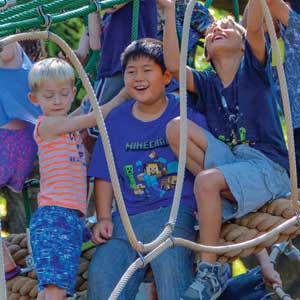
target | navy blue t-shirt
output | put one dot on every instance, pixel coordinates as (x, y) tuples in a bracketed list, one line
[(146, 165), (244, 111), (117, 35)]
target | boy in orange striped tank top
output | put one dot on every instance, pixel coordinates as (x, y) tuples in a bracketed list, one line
[(56, 229)]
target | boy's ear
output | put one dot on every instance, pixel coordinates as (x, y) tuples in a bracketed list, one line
[(167, 77), (74, 90), (206, 55), (33, 99)]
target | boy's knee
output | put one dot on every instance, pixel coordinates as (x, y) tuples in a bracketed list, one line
[(208, 181), (173, 130)]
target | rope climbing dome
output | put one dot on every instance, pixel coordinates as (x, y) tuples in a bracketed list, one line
[(275, 222)]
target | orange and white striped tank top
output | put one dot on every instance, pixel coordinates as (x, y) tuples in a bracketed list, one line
[(62, 171)]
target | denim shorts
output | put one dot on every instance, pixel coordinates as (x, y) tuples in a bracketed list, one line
[(17, 153), (172, 269), (56, 238), (253, 178)]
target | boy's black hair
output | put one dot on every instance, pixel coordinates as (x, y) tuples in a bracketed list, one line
[(146, 47), (295, 5)]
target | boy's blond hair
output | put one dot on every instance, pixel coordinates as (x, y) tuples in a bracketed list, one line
[(50, 69)]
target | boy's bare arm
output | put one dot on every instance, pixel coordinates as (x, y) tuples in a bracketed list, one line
[(103, 230), (103, 199), (170, 42), (255, 30), (279, 10), (52, 127), (270, 275), (94, 30), (83, 47)]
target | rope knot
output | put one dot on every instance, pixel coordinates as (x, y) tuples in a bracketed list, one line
[(47, 17)]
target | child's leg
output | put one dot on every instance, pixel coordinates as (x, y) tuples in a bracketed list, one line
[(208, 187), (41, 295), (52, 292), (196, 144), (10, 267), (9, 263)]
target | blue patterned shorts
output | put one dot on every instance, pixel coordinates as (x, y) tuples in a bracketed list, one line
[(56, 238)]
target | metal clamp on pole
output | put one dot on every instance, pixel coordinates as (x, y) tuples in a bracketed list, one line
[(47, 17), (97, 4)]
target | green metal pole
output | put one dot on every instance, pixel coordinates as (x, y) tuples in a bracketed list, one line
[(236, 10), (135, 20), (208, 3)]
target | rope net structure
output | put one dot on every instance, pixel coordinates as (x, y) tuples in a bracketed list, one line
[(275, 222)]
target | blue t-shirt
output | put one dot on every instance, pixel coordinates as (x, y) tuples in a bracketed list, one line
[(245, 111), (117, 35), (14, 89), (146, 165), (291, 38)]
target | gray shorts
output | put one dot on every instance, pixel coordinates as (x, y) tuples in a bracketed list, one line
[(253, 178), (108, 87), (105, 90)]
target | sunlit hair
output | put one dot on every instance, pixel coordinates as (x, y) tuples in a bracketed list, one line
[(227, 20), (146, 47), (50, 69)]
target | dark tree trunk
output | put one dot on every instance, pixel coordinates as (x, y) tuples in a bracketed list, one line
[(15, 221)]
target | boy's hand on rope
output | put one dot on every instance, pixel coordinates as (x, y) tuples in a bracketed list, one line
[(270, 275), (102, 231)]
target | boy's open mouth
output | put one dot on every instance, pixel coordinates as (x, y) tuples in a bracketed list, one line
[(141, 87), (218, 37)]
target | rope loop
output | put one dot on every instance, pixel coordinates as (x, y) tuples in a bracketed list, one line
[(142, 258), (141, 246), (172, 240), (298, 216), (97, 4), (171, 225), (47, 17)]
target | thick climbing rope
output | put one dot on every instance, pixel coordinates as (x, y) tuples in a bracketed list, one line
[(141, 262)]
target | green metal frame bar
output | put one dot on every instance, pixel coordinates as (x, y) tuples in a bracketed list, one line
[(52, 7), (11, 28), (135, 20)]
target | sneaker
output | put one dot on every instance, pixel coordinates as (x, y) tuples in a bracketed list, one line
[(208, 283), (226, 275)]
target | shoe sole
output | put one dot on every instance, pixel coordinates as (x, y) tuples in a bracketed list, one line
[(215, 297)]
